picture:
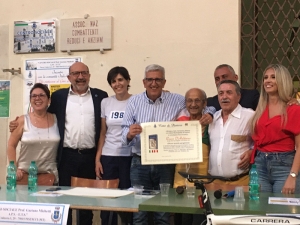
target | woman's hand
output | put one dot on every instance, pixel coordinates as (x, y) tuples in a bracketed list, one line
[(289, 185), (99, 169), (20, 174)]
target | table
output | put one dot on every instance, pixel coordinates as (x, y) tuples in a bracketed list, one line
[(128, 203), (176, 203)]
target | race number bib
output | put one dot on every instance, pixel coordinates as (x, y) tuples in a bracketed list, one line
[(116, 115)]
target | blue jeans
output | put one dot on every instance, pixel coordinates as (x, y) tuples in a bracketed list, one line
[(273, 169), (150, 176)]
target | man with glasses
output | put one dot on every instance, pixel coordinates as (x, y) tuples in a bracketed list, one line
[(77, 109), (153, 105)]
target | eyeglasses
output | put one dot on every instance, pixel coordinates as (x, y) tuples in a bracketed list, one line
[(42, 95), (157, 80), (77, 73), (197, 101)]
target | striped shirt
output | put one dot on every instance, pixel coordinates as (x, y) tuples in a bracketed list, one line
[(141, 109)]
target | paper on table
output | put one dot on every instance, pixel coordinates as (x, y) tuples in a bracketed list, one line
[(95, 192), (284, 201), (46, 194)]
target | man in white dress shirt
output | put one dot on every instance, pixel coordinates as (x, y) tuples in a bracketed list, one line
[(230, 136)]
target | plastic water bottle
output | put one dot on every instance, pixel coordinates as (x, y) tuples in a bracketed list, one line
[(32, 177), (11, 179), (253, 183)]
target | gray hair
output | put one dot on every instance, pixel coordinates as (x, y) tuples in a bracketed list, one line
[(228, 66), (155, 67), (236, 85)]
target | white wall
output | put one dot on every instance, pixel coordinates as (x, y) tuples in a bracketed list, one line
[(189, 38)]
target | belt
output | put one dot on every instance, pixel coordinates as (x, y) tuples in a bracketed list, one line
[(237, 177), (83, 151)]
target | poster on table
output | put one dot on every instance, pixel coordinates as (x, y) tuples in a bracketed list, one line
[(4, 98), (52, 72), (34, 36)]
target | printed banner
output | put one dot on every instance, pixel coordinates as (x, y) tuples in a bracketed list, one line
[(18, 213), (52, 72), (34, 36)]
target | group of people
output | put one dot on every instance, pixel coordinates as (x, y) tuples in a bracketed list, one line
[(82, 132)]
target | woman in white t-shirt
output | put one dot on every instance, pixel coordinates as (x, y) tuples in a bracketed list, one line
[(112, 159)]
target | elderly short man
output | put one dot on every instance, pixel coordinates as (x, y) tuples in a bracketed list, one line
[(195, 103), (153, 105), (230, 136)]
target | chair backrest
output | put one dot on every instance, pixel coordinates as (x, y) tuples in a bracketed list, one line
[(44, 179), (83, 182)]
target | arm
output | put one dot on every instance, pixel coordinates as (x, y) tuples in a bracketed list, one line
[(128, 122), (98, 168), (13, 141), (290, 183), (13, 124)]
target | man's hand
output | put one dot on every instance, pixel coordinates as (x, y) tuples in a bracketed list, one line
[(134, 130), (245, 160), (13, 124), (206, 119), (293, 101)]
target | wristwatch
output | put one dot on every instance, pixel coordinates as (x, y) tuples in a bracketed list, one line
[(293, 174)]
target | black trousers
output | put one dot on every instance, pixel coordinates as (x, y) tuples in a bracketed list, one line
[(116, 167), (74, 163)]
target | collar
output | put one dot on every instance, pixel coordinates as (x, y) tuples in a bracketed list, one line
[(160, 99), (235, 113), (71, 92)]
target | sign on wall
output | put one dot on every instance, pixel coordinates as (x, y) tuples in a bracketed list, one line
[(93, 33), (4, 98), (34, 36), (52, 72)]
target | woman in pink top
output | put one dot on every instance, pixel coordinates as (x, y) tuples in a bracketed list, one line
[(276, 133)]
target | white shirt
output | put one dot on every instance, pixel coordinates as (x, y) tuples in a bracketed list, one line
[(229, 141), (113, 111), (80, 121)]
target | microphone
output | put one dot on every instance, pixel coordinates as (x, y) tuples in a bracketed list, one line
[(229, 194), (218, 194), (180, 189)]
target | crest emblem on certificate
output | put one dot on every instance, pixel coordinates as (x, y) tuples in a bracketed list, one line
[(56, 216)]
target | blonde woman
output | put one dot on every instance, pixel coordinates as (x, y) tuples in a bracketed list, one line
[(276, 133)]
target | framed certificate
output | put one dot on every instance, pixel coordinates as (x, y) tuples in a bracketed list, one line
[(171, 142)]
